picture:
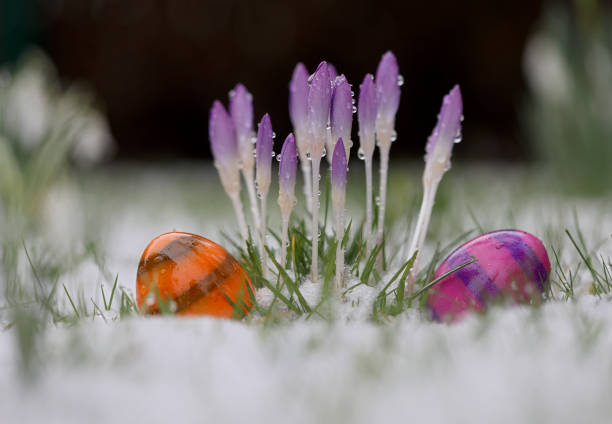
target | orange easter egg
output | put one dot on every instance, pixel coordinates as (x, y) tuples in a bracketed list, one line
[(193, 275)]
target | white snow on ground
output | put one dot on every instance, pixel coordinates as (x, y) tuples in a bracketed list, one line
[(551, 364)]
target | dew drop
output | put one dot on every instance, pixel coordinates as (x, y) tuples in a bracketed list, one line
[(232, 93), (400, 80), (308, 156), (361, 154), (273, 154), (273, 134), (259, 195), (287, 243), (254, 153), (253, 139), (393, 136), (458, 136), (354, 109), (461, 119), (278, 157), (378, 201), (323, 153)]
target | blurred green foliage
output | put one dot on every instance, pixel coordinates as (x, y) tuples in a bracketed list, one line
[(568, 117)]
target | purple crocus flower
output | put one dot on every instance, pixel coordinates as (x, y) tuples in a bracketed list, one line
[(241, 111), (366, 115), (387, 96), (338, 168), (265, 142), (447, 130), (222, 137), (341, 114), (319, 99), (288, 166), (298, 101)]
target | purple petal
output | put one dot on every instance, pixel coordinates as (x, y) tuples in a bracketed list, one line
[(341, 114), (241, 110), (387, 90), (366, 113), (448, 128), (288, 164), (265, 142), (332, 73), (298, 98), (319, 99), (222, 136), (338, 167)]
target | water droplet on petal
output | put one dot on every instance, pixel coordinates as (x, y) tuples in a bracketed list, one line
[(273, 134), (400, 80), (232, 93), (323, 153), (361, 154), (273, 154), (308, 156), (354, 109), (378, 201), (278, 157), (393, 136), (458, 136)]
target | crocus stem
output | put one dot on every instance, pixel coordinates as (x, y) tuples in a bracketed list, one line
[(339, 249), (420, 231), (368, 221), (314, 229), (284, 238), (307, 184), (239, 215), (247, 173), (262, 238), (384, 166)]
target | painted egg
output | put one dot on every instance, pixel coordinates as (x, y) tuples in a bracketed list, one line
[(510, 266), (194, 275)]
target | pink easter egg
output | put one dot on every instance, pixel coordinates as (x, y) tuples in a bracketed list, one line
[(511, 266)]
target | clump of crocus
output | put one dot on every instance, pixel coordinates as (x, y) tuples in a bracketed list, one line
[(226, 158), (338, 186), (388, 83), (241, 111), (265, 142), (341, 115), (298, 112), (286, 190), (366, 115), (438, 151), (319, 98)]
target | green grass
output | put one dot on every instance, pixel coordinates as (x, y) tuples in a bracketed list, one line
[(36, 295)]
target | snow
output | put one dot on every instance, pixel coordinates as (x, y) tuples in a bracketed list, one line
[(548, 364), (521, 365)]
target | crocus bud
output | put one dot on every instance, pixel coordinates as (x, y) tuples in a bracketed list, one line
[(445, 134), (286, 174), (341, 115), (223, 145), (241, 111), (366, 115), (338, 175), (265, 142), (387, 97), (319, 100), (298, 106)]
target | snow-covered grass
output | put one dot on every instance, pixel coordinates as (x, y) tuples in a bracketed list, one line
[(550, 363)]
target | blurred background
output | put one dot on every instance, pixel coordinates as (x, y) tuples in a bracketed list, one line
[(535, 75), (157, 65)]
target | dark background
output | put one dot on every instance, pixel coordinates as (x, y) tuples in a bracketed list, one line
[(157, 65)]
